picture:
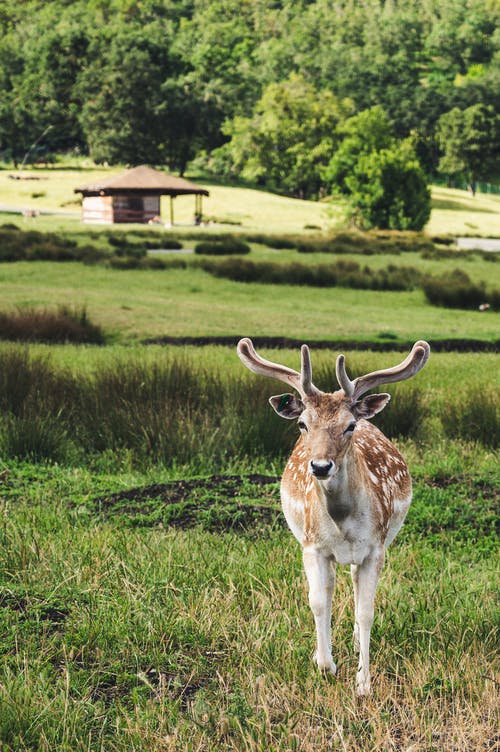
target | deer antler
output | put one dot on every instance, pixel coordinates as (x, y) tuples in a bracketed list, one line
[(301, 382), (409, 367)]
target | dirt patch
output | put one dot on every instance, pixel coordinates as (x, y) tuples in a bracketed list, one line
[(217, 503), (250, 504), (51, 614)]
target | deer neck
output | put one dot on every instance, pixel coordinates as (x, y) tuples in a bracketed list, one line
[(339, 492)]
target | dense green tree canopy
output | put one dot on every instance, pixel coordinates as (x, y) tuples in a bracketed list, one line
[(470, 141), (136, 104), (368, 131), (388, 189), (290, 136), (163, 81)]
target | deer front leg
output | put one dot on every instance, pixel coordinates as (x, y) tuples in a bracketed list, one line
[(365, 578), (354, 577), (321, 578)]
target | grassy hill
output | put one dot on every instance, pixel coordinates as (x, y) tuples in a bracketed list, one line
[(52, 189)]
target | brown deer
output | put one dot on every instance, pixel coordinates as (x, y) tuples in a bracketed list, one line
[(345, 490)]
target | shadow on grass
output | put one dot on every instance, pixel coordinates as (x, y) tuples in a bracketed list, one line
[(453, 205)]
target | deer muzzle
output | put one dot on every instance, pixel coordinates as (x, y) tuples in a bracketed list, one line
[(322, 468)]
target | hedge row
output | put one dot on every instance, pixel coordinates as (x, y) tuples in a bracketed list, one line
[(366, 243), (456, 290), (228, 247), (17, 245), (342, 274)]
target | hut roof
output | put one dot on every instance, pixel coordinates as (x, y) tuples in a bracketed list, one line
[(143, 179)]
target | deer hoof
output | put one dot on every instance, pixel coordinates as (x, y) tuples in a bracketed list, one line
[(326, 666), (363, 688)]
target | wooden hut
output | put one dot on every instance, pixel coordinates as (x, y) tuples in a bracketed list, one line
[(134, 196)]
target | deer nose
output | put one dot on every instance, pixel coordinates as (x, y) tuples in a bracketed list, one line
[(321, 468)]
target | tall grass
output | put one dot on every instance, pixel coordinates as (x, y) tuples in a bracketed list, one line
[(174, 412), (473, 415), (61, 325)]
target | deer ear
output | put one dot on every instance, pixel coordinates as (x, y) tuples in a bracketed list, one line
[(287, 406), (370, 406)]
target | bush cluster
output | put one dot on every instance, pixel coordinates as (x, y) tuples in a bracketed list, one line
[(279, 242), (16, 245), (341, 274), (33, 246), (366, 243), (157, 412), (227, 247), (167, 244), (127, 250), (53, 326), (145, 262), (456, 290), (132, 244)]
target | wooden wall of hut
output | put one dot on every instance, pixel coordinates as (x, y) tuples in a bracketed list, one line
[(120, 209)]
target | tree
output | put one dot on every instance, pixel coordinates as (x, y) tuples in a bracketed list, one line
[(388, 190), (39, 68), (287, 142), (138, 106), (470, 143), (361, 134)]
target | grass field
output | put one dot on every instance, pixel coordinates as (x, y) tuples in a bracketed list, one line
[(151, 598), (136, 305), (118, 634), (454, 211)]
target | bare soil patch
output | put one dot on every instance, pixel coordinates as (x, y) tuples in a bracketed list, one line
[(218, 503)]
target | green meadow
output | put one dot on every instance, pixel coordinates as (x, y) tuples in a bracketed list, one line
[(151, 597), (135, 305), (52, 189)]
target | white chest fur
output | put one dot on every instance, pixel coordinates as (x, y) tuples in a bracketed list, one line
[(348, 542)]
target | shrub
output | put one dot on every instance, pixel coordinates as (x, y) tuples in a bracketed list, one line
[(441, 254), (128, 249), (229, 247), (124, 262), (168, 244), (279, 242), (42, 325), (443, 239), (456, 290), (366, 243), (16, 245), (153, 262), (342, 273)]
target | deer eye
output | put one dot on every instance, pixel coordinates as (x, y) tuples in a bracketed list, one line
[(302, 425), (350, 428)]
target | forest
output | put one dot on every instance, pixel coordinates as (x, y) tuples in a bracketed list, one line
[(304, 98)]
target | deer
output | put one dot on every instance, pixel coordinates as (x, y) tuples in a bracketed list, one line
[(345, 490)]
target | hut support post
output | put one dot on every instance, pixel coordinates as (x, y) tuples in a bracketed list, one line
[(171, 211), (197, 209)]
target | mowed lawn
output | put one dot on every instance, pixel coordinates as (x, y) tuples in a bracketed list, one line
[(454, 211), (189, 302)]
